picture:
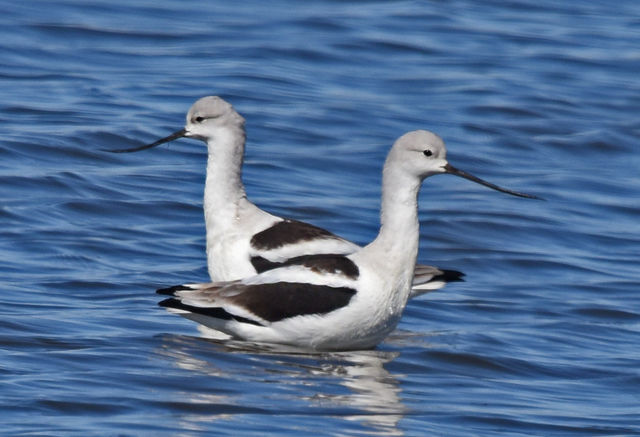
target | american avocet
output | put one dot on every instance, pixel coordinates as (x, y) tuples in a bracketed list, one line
[(242, 239), (332, 302)]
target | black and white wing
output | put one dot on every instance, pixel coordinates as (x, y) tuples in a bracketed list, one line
[(313, 285), (289, 241)]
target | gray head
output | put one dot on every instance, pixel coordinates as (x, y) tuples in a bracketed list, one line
[(209, 116), (209, 119), (422, 154), (419, 153)]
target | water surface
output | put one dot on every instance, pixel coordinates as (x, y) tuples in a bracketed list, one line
[(541, 339)]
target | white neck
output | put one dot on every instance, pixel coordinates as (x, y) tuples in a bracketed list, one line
[(397, 242), (224, 191)]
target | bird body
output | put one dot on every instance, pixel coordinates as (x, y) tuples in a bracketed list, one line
[(331, 301), (243, 239), (283, 281)]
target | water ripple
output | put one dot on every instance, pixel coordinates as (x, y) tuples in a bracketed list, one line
[(540, 339)]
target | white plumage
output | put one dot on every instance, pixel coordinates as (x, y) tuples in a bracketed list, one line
[(242, 239), (332, 302)]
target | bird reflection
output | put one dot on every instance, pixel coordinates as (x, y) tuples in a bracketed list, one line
[(352, 386)]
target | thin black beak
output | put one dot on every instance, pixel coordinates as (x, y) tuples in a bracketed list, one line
[(174, 136), (452, 170)]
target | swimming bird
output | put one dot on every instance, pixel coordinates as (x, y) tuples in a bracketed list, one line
[(243, 239), (333, 302)]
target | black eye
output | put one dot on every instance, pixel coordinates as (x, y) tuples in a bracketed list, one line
[(427, 152), (199, 119)]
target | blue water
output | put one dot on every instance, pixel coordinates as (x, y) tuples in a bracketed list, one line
[(543, 338)]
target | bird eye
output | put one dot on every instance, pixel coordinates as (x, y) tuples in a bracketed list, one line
[(199, 119), (427, 152)]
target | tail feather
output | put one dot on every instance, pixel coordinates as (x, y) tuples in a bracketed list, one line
[(427, 278), (424, 274), (213, 312), (449, 276), (171, 291)]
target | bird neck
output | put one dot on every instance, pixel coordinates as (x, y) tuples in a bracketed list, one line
[(397, 241), (224, 190)]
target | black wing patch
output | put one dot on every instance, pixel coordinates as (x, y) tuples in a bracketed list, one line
[(282, 300), (321, 263), (287, 232), (274, 302)]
